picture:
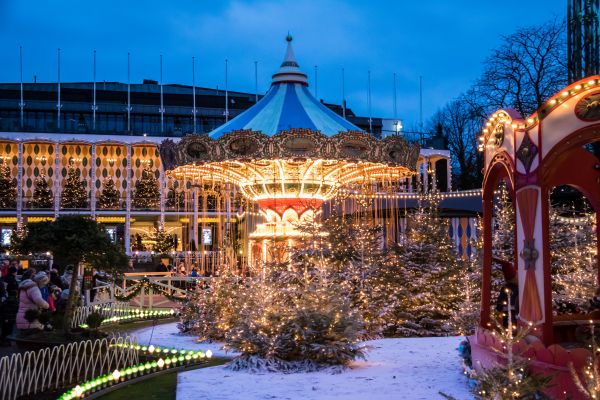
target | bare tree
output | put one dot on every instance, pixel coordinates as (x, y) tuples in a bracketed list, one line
[(460, 123), (527, 68)]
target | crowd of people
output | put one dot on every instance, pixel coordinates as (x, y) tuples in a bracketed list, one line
[(40, 290)]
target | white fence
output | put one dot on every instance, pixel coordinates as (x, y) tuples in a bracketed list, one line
[(58, 367)]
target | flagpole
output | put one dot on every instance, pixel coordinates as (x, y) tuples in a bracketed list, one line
[(21, 103), (316, 84), (256, 81), (128, 92), (58, 105), (162, 108), (343, 95), (194, 92), (226, 92), (369, 103), (94, 108), (395, 99)]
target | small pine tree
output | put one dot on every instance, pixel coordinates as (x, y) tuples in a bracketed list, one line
[(432, 272), (163, 242), (42, 195), (110, 198), (8, 188), (74, 194), (147, 192)]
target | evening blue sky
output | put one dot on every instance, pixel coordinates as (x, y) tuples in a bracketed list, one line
[(442, 40)]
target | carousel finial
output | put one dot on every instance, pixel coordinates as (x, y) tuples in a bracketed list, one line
[(288, 38)]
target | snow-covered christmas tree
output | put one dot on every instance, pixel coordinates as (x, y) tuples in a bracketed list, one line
[(74, 193)]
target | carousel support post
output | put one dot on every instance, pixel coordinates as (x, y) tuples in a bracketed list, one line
[(486, 276), (548, 325)]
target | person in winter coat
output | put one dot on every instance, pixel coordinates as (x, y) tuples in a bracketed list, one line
[(30, 298), (11, 304), (66, 277)]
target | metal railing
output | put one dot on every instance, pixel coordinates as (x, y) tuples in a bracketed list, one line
[(54, 368)]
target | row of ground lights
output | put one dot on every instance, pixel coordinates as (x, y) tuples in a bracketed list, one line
[(136, 314), (170, 358)]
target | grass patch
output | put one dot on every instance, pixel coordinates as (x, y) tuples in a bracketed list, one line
[(162, 387)]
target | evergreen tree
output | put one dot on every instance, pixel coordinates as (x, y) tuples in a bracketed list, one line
[(110, 198), (163, 242), (74, 194), (432, 273), (147, 192), (573, 263), (8, 188), (42, 195)]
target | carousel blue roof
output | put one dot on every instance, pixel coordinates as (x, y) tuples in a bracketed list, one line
[(288, 104)]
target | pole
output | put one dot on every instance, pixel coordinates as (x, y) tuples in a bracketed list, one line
[(94, 108), (395, 100), (194, 92), (162, 108), (343, 95), (226, 92), (128, 92), (421, 108), (369, 102), (58, 105), (21, 103), (256, 81), (316, 83)]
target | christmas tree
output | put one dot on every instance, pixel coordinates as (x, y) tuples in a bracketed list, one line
[(573, 263), (74, 194), (163, 242), (8, 188), (512, 379), (431, 272), (42, 195), (147, 192), (110, 197)]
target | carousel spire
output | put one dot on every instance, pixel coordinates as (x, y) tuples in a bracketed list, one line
[(289, 71)]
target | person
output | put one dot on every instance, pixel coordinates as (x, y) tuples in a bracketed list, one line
[(4, 268), (508, 298), (11, 304), (28, 274), (194, 273), (55, 279), (182, 269), (66, 276), (30, 298)]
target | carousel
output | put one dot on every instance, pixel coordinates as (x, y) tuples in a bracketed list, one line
[(531, 156), (288, 154)]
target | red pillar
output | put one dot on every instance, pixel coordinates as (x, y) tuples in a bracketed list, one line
[(544, 246), (486, 276)]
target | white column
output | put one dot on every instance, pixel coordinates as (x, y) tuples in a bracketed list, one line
[(57, 179), (163, 191), (426, 175), (419, 175), (433, 176), (19, 186), (449, 174), (93, 182), (195, 220), (129, 180)]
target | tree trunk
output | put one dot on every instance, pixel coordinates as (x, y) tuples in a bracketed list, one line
[(73, 296)]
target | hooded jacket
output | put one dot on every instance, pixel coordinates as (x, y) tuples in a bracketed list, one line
[(30, 297)]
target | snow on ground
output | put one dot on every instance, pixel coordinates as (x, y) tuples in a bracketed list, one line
[(408, 368)]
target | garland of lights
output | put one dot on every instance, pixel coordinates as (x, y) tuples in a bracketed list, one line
[(170, 358), (145, 283)]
